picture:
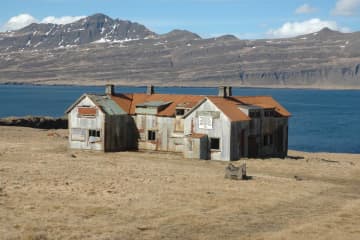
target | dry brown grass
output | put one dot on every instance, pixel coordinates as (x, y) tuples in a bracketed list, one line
[(48, 192)]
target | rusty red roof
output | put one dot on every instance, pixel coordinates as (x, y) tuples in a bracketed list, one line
[(229, 105), (128, 102)]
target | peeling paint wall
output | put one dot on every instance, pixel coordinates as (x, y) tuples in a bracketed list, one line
[(166, 138)]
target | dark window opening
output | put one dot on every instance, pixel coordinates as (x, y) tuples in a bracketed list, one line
[(180, 112), (254, 114), (151, 135), (94, 133), (268, 140), (215, 143), (269, 113)]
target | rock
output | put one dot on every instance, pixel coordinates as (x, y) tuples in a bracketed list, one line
[(236, 173), (297, 178), (35, 122)]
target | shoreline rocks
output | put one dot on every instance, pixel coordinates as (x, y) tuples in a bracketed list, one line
[(41, 122)]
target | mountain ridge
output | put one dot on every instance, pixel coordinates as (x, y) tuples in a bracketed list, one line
[(99, 49)]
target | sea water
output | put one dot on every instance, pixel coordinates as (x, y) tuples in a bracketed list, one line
[(322, 120)]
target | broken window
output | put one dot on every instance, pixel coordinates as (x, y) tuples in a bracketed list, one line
[(94, 133), (268, 139), (215, 143), (94, 136), (151, 135)]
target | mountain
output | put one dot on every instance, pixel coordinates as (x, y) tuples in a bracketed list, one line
[(97, 27), (98, 49)]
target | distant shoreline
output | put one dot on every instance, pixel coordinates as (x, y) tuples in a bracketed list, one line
[(90, 84)]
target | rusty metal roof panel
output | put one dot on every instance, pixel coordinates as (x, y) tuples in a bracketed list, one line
[(265, 102), (229, 107), (153, 104)]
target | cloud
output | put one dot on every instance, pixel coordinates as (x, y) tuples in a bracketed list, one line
[(291, 29), (305, 9), (346, 7), (23, 20), (18, 22), (61, 20)]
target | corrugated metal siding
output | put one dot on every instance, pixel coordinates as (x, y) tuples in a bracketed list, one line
[(221, 129)]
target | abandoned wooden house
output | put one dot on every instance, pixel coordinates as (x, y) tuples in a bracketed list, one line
[(222, 127)]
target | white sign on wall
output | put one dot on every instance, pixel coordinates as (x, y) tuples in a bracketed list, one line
[(205, 122)]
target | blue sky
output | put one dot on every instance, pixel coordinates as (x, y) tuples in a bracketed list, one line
[(243, 18)]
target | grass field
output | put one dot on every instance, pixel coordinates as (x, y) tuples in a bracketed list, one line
[(50, 192)]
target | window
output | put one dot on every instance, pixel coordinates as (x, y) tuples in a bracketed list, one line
[(180, 112), (94, 133), (254, 114), (268, 140), (215, 143), (269, 113), (151, 135)]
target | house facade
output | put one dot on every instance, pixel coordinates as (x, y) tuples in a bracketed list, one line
[(222, 127)]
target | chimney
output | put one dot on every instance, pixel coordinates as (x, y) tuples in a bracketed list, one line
[(225, 91), (222, 91), (229, 91), (150, 90), (109, 89)]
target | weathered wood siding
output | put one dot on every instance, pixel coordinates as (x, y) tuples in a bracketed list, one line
[(221, 128), (239, 140), (167, 139), (196, 148), (120, 133), (86, 123), (277, 127)]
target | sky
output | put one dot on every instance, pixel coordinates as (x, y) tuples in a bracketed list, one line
[(246, 19)]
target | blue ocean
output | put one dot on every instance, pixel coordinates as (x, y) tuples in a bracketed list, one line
[(322, 120)]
